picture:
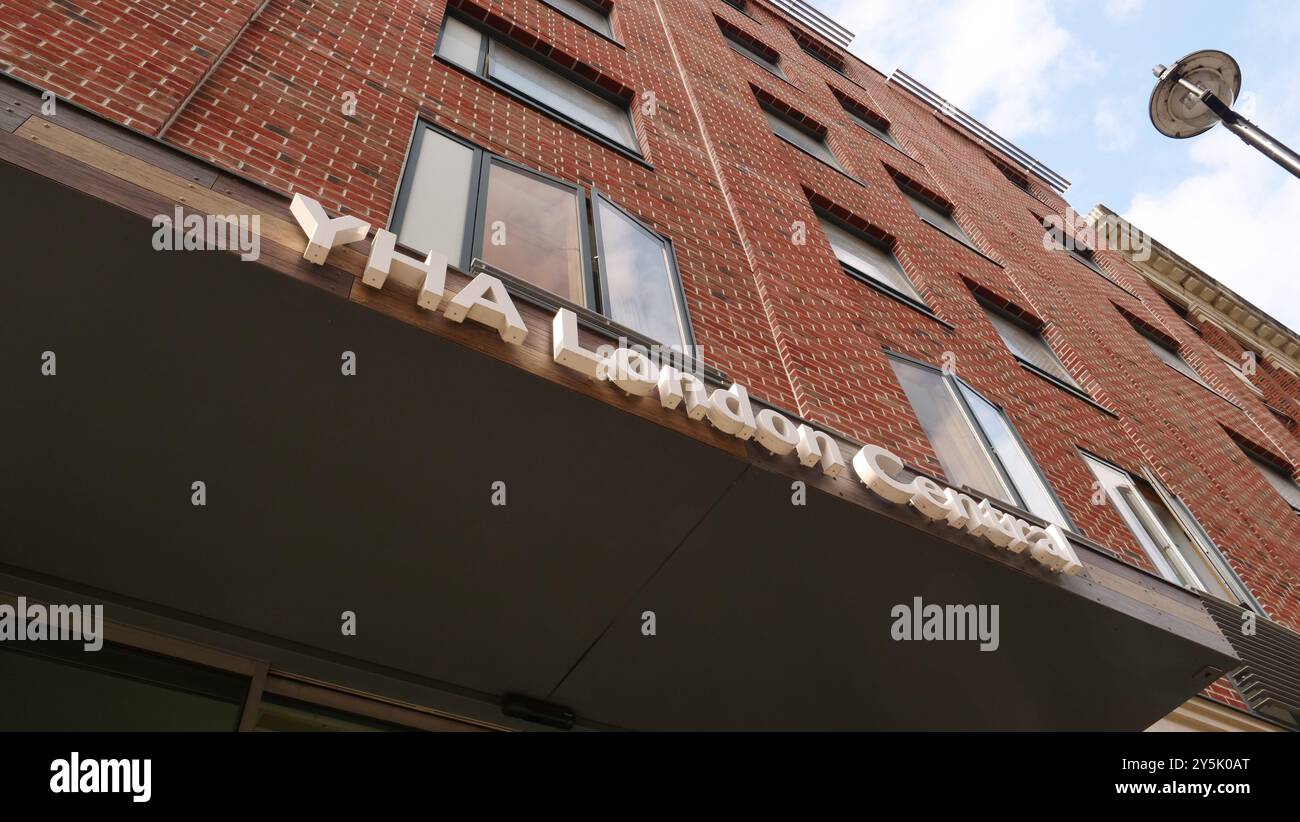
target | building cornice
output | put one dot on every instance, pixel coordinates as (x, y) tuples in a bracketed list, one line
[(1207, 299)]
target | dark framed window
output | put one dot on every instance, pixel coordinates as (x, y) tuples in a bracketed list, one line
[(831, 60), (278, 713), (1167, 531), (801, 137), (639, 282), (59, 686), (1029, 347), (1016, 178), (875, 126), (587, 12), (937, 215), (974, 441), (1171, 357), (768, 59), (577, 104), (870, 261), (1281, 480), (468, 203)]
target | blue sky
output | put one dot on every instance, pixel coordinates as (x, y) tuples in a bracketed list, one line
[(1068, 81)]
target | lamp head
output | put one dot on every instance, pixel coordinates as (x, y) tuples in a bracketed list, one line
[(1177, 111)]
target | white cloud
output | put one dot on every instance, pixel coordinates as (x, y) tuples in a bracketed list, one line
[(1234, 216), (1119, 11), (1011, 60), (1115, 122)]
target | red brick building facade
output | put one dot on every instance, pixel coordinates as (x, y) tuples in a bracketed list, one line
[(262, 91)]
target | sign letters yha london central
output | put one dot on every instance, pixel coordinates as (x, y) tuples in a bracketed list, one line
[(485, 300)]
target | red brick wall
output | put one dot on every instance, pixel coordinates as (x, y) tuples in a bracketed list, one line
[(781, 317), (132, 61)]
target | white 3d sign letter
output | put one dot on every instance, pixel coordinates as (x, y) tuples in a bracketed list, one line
[(566, 349), (775, 433), (730, 411), (878, 469), (631, 371), (429, 275), (323, 232), (499, 312), (818, 446)]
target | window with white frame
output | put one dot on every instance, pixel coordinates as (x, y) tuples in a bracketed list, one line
[(1168, 533), (1029, 347), (572, 101), (467, 203), (975, 442), (869, 260)]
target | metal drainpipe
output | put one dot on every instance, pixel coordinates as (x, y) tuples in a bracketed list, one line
[(180, 107)]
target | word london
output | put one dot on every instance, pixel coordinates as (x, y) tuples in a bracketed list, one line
[(485, 300)]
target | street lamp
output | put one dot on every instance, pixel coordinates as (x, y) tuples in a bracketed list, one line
[(1197, 92)]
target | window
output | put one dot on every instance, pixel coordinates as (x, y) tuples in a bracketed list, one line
[(1017, 178), (1166, 530), (1029, 347), (869, 261), (738, 5), (1084, 255), (818, 52), (466, 203), (975, 442), (590, 15), (938, 216), (1278, 478), (1171, 357), (532, 229), (278, 713), (876, 127), (768, 59), (59, 686), (487, 57), (1240, 374), (639, 276), (801, 138)]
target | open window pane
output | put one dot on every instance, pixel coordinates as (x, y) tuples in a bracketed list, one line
[(555, 92), (935, 216), (1193, 555), (460, 44), (641, 283), (585, 13), (1118, 486), (1029, 346), (1034, 494), (434, 212), (958, 447), (810, 143), (531, 230)]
